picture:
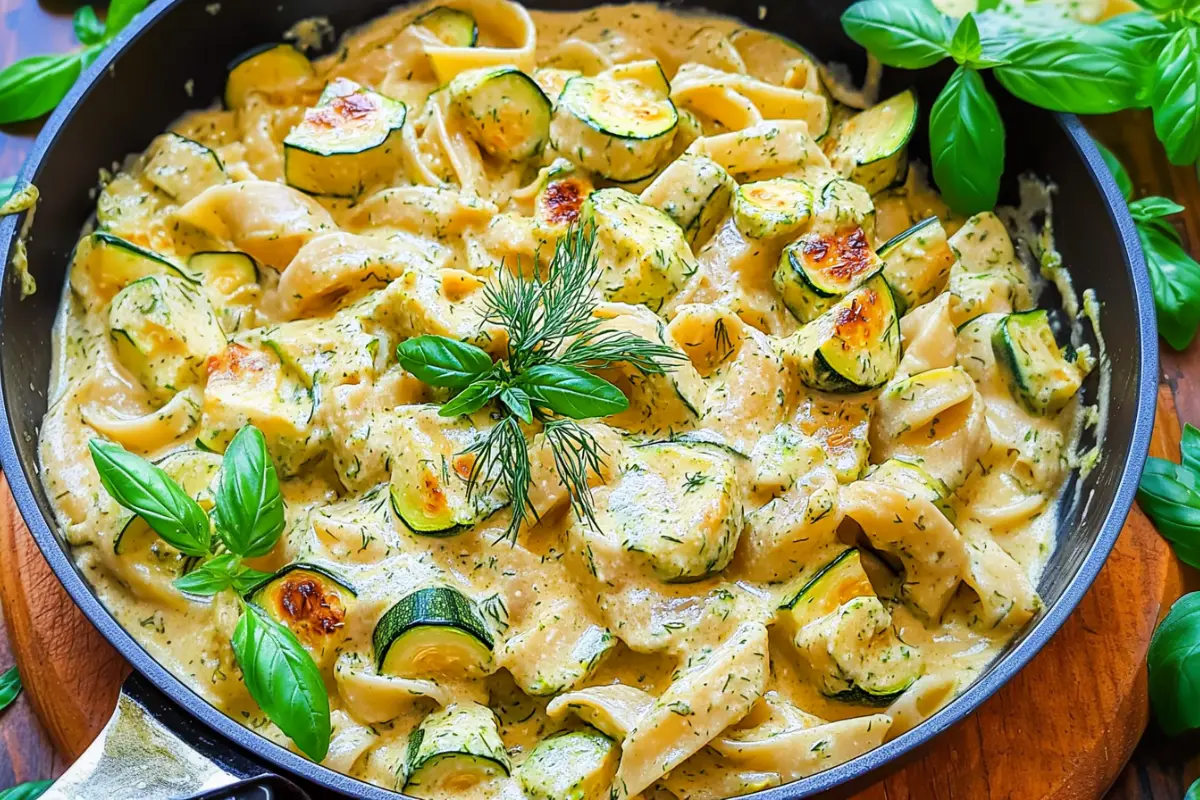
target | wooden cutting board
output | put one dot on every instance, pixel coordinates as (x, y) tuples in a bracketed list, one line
[(1061, 730)]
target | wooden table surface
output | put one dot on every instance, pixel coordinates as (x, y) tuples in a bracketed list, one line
[(1160, 769)]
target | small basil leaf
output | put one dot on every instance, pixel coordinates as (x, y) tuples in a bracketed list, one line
[(518, 403), (283, 679), (120, 14), (966, 138), (249, 513), (213, 576), (1170, 495), (1147, 33), (910, 35), (440, 361), (246, 579), (1175, 280), (1175, 96), (1160, 5), (10, 687), (35, 85), (471, 399), (26, 791), (1148, 208), (1086, 71), (1189, 448), (966, 47), (1173, 665), (150, 493), (1124, 182), (987, 5), (1193, 792), (88, 27), (573, 392)]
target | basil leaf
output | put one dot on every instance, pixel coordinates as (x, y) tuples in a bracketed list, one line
[(1173, 664), (246, 579), (1088, 71), (1146, 32), (911, 34), (35, 85), (283, 679), (573, 392), (440, 361), (26, 791), (966, 47), (1159, 5), (1148, 208), (213, 576), (1193, 792), (987, 5), (1170, 495), (150, 493), (518, 403), (1189, 448), (88, 27), (966, 139), (471, 399), (1175, 96), (10, 687), (1124, 182), (249, 512), (1175, 279), (120, 14)]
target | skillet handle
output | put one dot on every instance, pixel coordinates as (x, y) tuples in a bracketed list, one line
[(149, 750)]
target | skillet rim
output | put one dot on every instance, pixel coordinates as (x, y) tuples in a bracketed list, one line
[(857, 770)]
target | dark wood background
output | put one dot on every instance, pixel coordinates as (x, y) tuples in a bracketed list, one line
[(1161, 768)]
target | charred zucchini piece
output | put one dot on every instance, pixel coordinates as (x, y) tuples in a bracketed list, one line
[(506, 112), (311, 600), (348, 141), (872, 148), (453, 27), (437, 629), (773, 208), (1042, 376), (817, 270), (560, 200)]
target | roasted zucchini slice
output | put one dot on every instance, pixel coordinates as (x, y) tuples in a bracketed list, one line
[(181, 168), (310, 600), (917, 262), (696, 192), (438, 630), (429, 484), (621, 129), (272, 70), (164, 330), (453, 27), (774, 208), (576, 765), (506, 112), (103, 264), (842, 204), (1042, 376), (872, 147), (349, 140), (454, 749), (817, 270), (643, 254), (231, 282), (559, 201), (853, 346)]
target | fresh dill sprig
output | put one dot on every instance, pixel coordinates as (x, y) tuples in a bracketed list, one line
[(554, 339)]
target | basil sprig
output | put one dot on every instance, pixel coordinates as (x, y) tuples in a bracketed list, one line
[(26, 791), (249, 518), (33, 86), (10, 687)]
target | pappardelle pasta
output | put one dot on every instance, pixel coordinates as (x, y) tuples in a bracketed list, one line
[(812, 531)]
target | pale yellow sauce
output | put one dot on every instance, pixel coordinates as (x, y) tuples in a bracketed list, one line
[(1004, 486)]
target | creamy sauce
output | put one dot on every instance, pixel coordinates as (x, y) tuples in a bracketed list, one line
[(401, 261)]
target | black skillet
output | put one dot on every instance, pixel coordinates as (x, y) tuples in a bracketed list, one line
[(137, 88)]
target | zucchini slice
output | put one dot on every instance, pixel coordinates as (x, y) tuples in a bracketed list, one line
[(817, 270), (643, 254), (181, 168), (854, 346), (310, 600), (454, 749), (273, 69), (679, 506), (506, 112), (164, 330), (774, 208), (438, 630), (778, 60), (231, 281), (347, 141), (917, 262), (844, 633), (429, 484), (552, 80), (103, 264), (576, 765), (453, 27), (696, 192), (872, 147), (1042, 376), (620, 129), (844, 204), (560, 200)]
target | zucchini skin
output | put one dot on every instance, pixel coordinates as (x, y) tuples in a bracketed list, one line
[(435, 606)]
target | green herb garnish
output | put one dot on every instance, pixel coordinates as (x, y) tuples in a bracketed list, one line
[(554, 339), (10, 687)]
